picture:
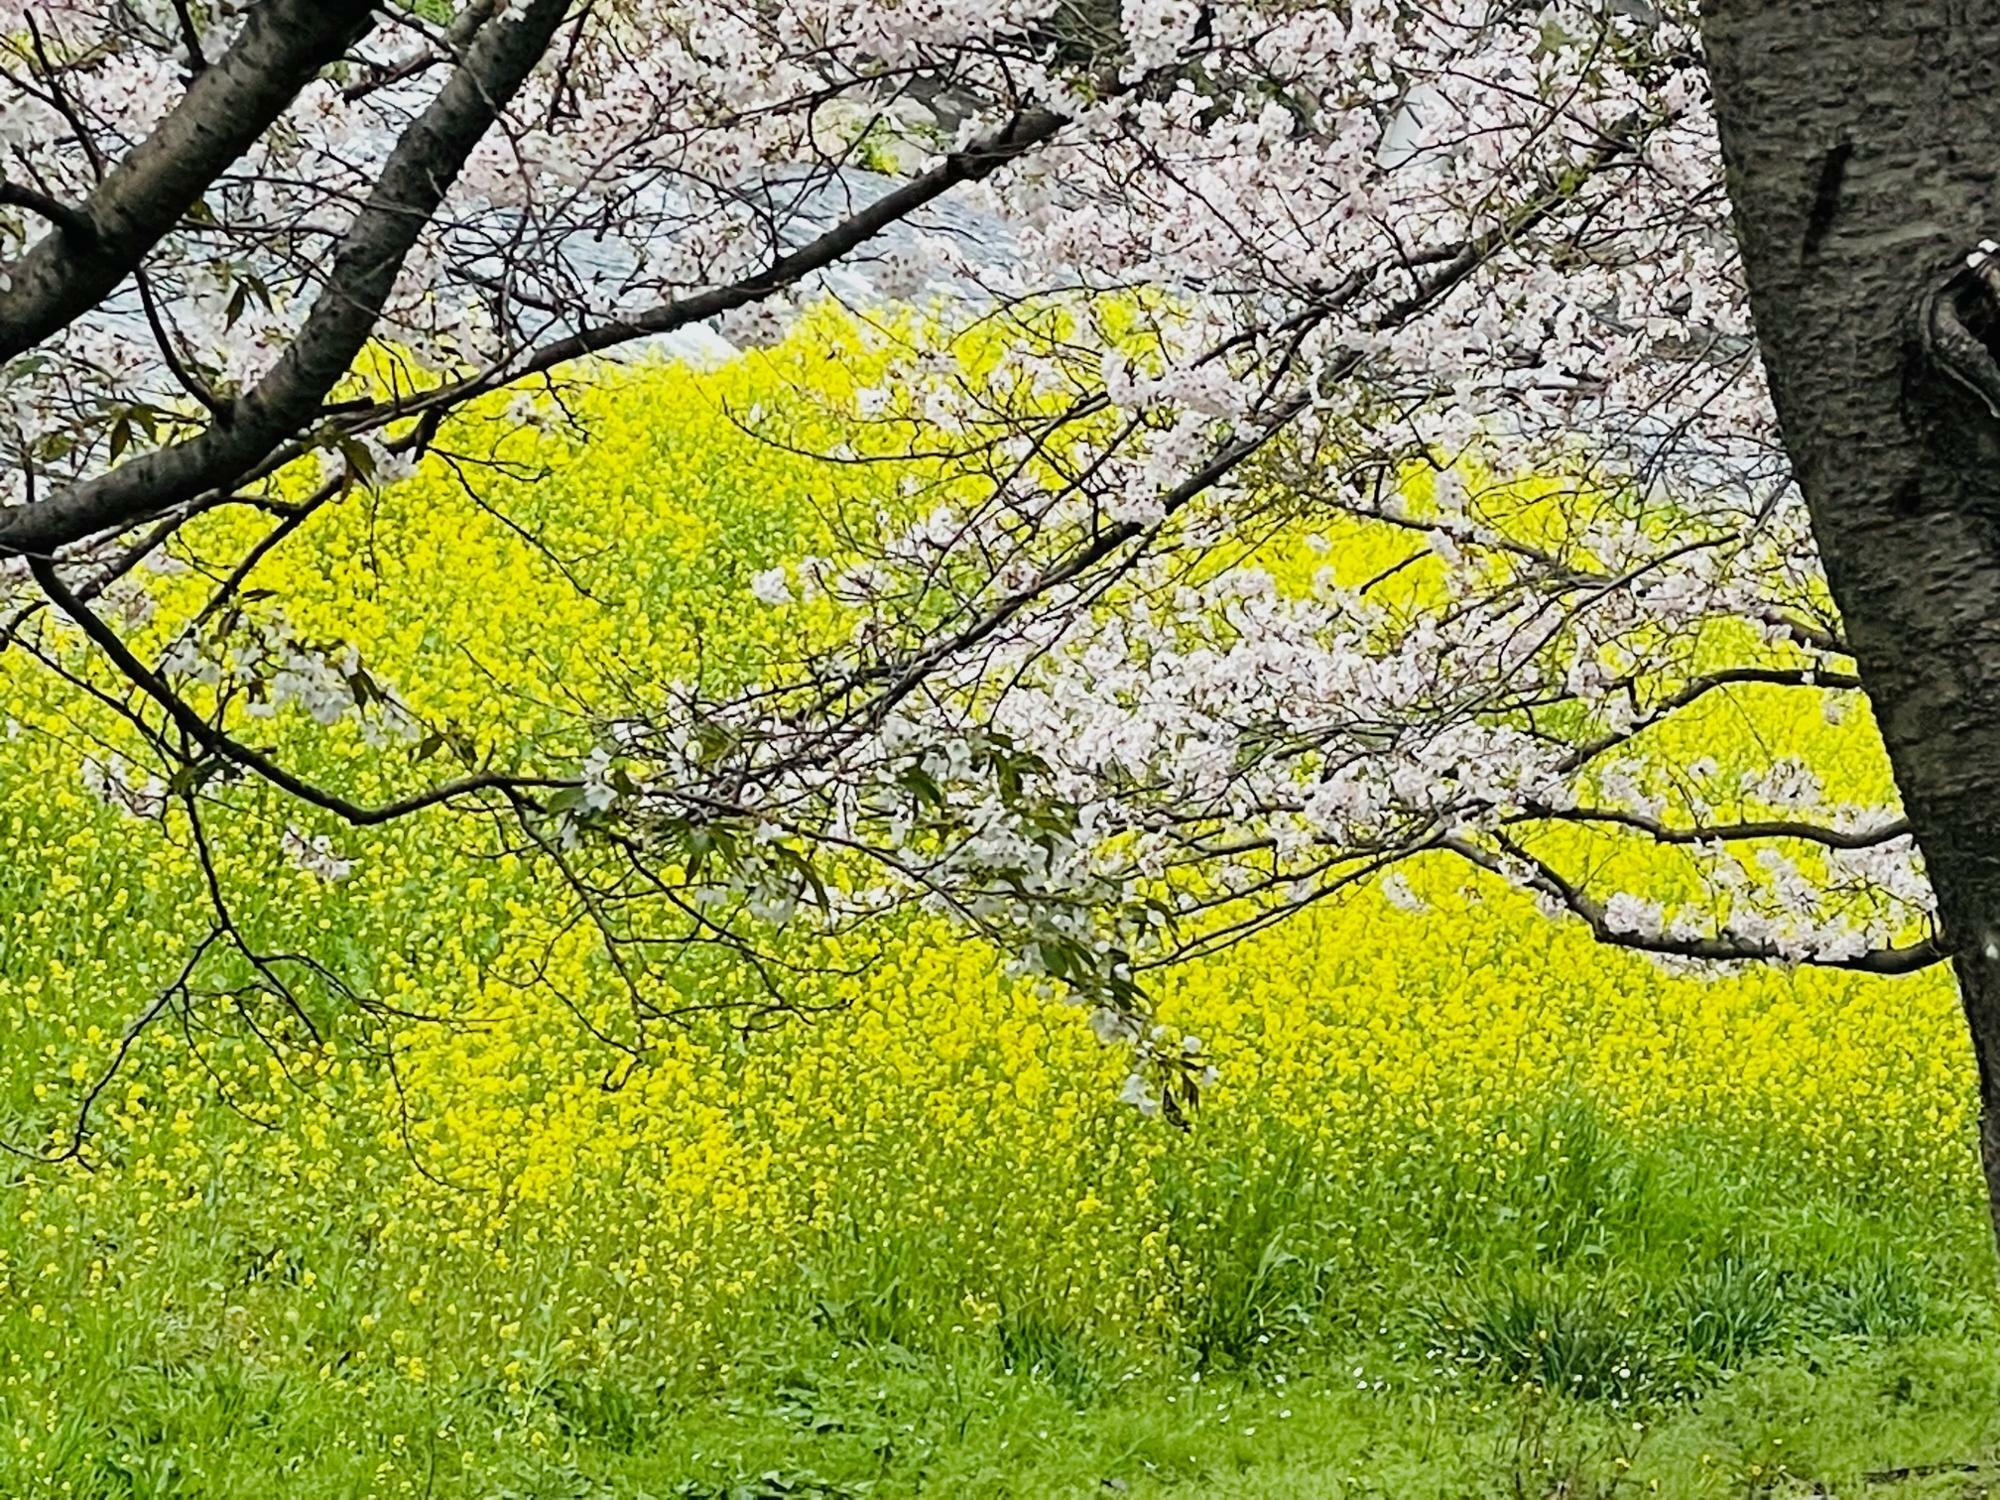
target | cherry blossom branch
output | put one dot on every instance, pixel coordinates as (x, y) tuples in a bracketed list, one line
[(218, 743), (118, 567), (229, 105), (1721, 833), (1805, 632), (1812, 635), (1538, 874), (253, 442), (1695, 689), (1026, 130), (422, 167)]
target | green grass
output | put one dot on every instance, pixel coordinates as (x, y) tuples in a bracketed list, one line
[(1913, 1419), (1617, 1319), (1780, 1429)]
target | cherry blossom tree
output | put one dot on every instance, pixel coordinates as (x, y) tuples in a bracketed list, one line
[(1261, 275)]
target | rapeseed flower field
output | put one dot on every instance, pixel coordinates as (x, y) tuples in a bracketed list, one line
[(1452, 1147)]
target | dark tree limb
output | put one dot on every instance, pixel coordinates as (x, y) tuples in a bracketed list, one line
[(426, 161), (283, 45), (1724, 833), (73, 222), (1544, 877), (218, 743), (1697, 688)]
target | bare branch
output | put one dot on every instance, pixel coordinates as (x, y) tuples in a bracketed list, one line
[(190, 37)]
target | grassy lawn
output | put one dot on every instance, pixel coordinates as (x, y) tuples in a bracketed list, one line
[(1914, 1419)]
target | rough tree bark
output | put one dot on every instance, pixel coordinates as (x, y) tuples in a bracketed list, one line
[(1863, 147)]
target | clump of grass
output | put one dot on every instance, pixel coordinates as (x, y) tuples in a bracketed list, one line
[(1558, 1334), (1042, 1345), (1722, 1314)]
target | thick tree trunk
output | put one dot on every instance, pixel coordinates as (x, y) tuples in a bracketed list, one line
[(1863, 145)]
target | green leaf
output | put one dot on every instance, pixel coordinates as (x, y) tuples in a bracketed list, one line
[(191, 776), (803, 867), (360, 461), (921, 784)]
